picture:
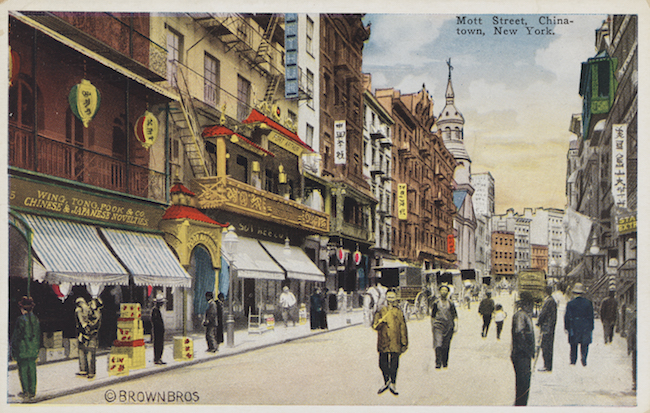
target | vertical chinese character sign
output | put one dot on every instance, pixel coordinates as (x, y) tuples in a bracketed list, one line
[(340, 146), (291, 77), (84, 99), (619, 165), (451, 244), (402, 210)]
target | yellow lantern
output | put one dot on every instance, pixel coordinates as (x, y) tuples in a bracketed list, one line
[(84, 99), (146, 129)]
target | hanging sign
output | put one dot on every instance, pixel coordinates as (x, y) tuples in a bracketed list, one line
[(451, 244), (357, 257), (619, 165), (402, 211), (146, 129), (340, 146), (84, 99), (14, 66)]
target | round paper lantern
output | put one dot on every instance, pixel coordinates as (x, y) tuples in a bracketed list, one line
[(146, 129), (84, 99), (357, 257), (341, 255)]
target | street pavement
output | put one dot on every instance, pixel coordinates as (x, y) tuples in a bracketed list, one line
[(58, 379), (476, 363)]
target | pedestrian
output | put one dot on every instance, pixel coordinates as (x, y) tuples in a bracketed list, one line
[(443, 314), (210, 323), (82, 311), (499, 318), (288, 304), (486, 308), (158, 330), (342, 300), (579, 324), (468, 296), (608, 315), (94, 324), (392, 340), (546, 321), (323, 312), (315, 308), (219, 302), (523, 347), (631, 346), (25, 346)]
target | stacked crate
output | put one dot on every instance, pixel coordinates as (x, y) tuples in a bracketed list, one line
[(52, 347), (183, 348), (128, 349)]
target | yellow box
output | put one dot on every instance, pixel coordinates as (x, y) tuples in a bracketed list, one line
[(183, 348), (131, 324), (136, 355), (130, 310), (118, 365)]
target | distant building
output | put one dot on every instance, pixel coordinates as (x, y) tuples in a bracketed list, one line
[(503, 255), (539, 257), (484, 193)]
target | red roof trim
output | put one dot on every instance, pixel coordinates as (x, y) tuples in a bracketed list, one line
[(257, 116), (187, 212), (181, 188), (219, 130)]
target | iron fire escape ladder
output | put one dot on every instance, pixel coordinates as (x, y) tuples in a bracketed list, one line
[(191, 135)]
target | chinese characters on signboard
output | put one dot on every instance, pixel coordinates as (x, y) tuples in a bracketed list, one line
[(451, 244), (340, 142), (291, 77), (402, 210), (619, 165)]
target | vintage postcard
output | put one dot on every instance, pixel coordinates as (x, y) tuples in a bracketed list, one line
[(345, 206)]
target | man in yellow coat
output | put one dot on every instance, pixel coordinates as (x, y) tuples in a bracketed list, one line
[(392, 340)]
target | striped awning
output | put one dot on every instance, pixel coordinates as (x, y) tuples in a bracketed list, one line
[(74, 253), (294, 261), (251, 261), (148, 258)]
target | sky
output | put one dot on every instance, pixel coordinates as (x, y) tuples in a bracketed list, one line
[(516, 91)]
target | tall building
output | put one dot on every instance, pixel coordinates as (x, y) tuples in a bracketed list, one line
[(484, 193), (503, 255), (606, 174), (520, 227), (450, 125)]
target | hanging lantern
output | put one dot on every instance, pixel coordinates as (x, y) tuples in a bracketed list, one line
[(146, 129), (14, 66), (357, 257), (84, 99), (341, 255), (62, 290), (95, 289)]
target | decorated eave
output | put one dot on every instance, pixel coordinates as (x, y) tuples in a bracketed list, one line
[(220, 130), (179, 211), (278, 134)]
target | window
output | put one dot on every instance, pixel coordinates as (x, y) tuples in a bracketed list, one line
[(211, 80), (292, 117), (310, 36), (174, 48), (309, 139), (310, 88), (243, 97)]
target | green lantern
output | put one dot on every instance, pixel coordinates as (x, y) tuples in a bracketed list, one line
[(84, 99)]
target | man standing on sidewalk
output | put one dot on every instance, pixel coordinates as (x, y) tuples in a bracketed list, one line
[(579, 324), (486, 308), (608, 315), (287, 303), (25, 345), (443, 314), (546, 322), (392, 340), (158, 330), (523, 347), (210, 323)]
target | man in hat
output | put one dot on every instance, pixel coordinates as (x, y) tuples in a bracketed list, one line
[(392, 340), (287, 304), (523, 347), (158, 329), (609, 315), (443, 314), (486, 308), (82, 313), (210, 323), (546, 322), (25, 345), (579, 324)]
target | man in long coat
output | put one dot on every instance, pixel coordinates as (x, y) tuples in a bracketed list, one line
[(392, 340), (546, 322), (210, 323), (486, 308), (579, 324), (443, 314), (608, 315), (25, 345), (315, 308), (523, 347), (158, 330)]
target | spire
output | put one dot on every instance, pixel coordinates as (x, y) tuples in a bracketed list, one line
[(450, 90)]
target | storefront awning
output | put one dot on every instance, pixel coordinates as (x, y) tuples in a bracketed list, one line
[(386, 263), (294, 261), (74, 253), (148, 258), (251, 261)]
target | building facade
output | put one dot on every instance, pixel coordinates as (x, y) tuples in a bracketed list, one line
[(503, 255)]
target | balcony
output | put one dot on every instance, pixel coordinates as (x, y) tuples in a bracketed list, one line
[(344, 62), (228, 194), (377, 168), (64, 160)]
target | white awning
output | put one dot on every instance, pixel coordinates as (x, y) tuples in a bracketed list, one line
[(148, 258), (294, 261), (252, 261), (74, 253), (387, 263)]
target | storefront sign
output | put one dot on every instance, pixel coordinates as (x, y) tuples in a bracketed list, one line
[(451, 244), (30, 196), (619, 165), (626, 225), (402, 210), (287, 143), (340, 145)]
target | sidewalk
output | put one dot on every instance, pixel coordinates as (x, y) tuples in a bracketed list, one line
[(605, 381), (59, 378)]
